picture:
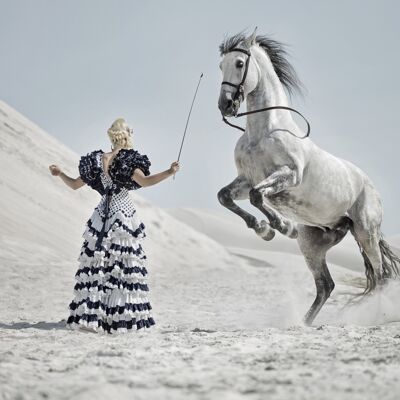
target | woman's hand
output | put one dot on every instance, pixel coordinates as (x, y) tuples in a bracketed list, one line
[(55, 170), (174, 168), (73, 183), (139, 177)]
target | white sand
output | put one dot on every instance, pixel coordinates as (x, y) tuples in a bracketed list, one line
[(228, 306)]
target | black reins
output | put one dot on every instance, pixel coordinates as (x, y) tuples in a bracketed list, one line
[(240, 93)]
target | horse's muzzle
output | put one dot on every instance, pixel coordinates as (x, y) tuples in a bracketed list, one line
[(227, 105)]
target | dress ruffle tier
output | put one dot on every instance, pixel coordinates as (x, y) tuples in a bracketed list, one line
[(111, 289)]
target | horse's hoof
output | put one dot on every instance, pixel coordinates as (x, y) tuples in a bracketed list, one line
[(291, 230), (294, 233), (264, 230)]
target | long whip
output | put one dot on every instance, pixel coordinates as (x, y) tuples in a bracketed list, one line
[(187, 121)]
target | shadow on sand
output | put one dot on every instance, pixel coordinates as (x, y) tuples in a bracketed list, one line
[(47, 326)]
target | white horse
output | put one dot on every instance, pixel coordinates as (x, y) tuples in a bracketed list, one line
[(304, 191)]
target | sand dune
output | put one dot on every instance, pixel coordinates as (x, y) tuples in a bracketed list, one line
[(228, 305)]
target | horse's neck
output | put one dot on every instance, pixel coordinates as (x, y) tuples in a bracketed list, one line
[(269, 92)]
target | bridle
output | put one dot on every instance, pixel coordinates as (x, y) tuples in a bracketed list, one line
[(239, 87), (239, 95)]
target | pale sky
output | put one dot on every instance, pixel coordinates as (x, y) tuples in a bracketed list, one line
[(74, 66)]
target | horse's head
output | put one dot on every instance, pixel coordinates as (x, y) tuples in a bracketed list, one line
[(239, 76)]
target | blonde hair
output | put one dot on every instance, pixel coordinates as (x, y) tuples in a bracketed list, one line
[(119, 134)]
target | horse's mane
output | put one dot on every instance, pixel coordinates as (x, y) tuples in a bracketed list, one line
[(277, 54)]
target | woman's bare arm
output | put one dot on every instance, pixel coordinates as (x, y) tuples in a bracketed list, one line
[(143, 180), (73, 183)]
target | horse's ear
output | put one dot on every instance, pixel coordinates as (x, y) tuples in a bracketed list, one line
[(251, 39)]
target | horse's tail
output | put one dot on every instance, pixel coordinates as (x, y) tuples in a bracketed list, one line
[(390, 261), (390, 266)]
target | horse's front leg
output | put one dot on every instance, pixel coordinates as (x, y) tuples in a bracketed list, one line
[(239, 190), (282, 179)]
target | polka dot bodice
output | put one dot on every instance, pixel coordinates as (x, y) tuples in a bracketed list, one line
[(120, 200)]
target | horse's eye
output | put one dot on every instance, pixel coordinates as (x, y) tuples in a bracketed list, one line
[(239, 64)]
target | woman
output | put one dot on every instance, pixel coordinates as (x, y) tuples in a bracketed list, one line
[(111, 290)]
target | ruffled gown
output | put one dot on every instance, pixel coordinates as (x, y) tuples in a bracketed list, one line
[(110, 293)]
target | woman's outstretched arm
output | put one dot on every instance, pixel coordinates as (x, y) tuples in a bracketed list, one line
[(73, 183), (143, 180)]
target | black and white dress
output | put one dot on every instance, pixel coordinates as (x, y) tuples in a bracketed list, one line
[(110, 294)]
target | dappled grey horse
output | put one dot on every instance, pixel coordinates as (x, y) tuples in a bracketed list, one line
[(304, 191)]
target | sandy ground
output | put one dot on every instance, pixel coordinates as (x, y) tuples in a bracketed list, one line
[(228, 306), (169, 363)]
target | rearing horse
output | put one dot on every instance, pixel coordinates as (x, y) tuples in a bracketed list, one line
[(304, 191)]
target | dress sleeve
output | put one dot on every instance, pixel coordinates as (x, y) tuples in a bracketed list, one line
[(89, 168), (123, 167)]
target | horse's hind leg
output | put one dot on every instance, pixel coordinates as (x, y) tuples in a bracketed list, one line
[(366, 215), (314, 243)]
